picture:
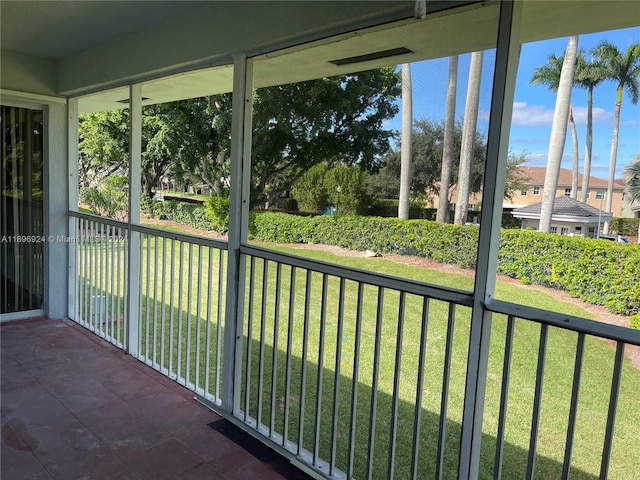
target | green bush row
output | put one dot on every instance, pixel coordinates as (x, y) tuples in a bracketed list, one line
[(624, 226), (596, 271), (193, 215)]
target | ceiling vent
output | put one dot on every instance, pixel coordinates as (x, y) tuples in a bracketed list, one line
[(371, 56)]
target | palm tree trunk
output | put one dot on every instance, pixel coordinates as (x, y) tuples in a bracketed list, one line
[(587, 152), (558, 134), (576, 161), (442, 214), (614, 155), (405, 143), (468, 138)]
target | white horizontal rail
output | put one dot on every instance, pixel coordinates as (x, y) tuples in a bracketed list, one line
[(567, 322), (459, 297)]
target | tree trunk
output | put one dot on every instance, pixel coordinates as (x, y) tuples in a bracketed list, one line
[(558, 134), (614, 155), (587, 152), (468, 138), (576, 161), (447, 146), (405, 143)]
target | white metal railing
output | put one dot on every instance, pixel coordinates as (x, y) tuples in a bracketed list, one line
[(351, 373), (181, 287)]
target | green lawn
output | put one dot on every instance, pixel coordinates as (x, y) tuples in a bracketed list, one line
[(185, 323)]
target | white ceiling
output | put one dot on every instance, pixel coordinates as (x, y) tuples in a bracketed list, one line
[(67, 30)]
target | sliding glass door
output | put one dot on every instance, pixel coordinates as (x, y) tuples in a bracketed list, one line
[(21, 211)]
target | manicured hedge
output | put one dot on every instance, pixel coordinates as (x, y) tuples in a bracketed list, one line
[(596, 271), (194, 215)]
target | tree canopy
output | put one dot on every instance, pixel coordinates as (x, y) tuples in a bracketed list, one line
[(295, 126)]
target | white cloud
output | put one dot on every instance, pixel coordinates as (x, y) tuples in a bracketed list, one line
[(599, 115), (531, 115), (539, 115)]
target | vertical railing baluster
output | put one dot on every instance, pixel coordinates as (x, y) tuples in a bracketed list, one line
[(336, 379), (263, 322), (573, 409), (287, 381), (323, 324), (274, 357), (396, 386), (156, 267), (189, 289), (198, 319), (116, 272), (207, 369), (125, 289), (146, 270), (171, 312), (105, 304), (303, 368), (417, 421), (100, 246), (163, 326), (221, 279), (444, 400), (613, 407), (354, 382), (537, 398), (92, 303), (179, 339), (504, 397), (82, 269), (374, 384), (252, 291)]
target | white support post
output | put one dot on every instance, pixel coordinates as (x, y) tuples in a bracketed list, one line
[(507, 57), (133, 218), (72, 146), (238, 227)]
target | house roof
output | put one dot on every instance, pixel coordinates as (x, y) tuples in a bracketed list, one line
[(562, 207), (535, 176)]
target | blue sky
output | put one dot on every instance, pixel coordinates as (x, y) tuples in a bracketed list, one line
[(533, 105)]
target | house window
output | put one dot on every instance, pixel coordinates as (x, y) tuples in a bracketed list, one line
[(600, 195), (564, 230), (588, 194), (567, 192), (578, 229), (523, 193), (553, 229), (536, 190)]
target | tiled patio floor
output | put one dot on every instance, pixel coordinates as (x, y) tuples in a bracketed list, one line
[(76, 407)]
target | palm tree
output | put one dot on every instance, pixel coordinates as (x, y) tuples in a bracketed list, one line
[(558, 133), (442, 214), (588, 75), (468, 137), (405, 143), (624, 69), (549, 75), (631, 175)]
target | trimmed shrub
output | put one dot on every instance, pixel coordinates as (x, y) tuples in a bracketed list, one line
[(218, 211), (634, 321), (189, 214), (598, 272)]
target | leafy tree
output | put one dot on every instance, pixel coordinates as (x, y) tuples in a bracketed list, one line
[(515, 179), (428, 140), (346, 188), (341, 119), (310, 191), (623, 68), (103, 146), (549, 75), (631, 175), (110, 199), (588, 75)]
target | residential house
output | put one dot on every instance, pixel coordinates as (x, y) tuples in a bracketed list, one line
[(569, 217)]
